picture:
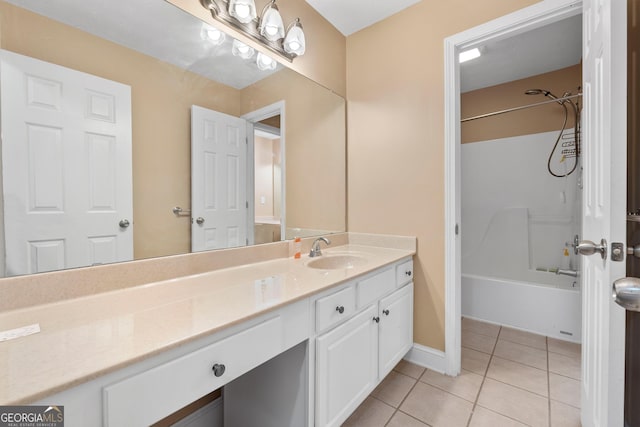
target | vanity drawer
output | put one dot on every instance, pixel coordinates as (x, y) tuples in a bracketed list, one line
[(152, 395), (371, 289), (404, 273), (335, 308)]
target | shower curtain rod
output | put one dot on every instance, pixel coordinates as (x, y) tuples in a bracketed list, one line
[(522, 107)]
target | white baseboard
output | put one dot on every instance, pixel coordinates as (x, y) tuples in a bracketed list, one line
[(427, 357)]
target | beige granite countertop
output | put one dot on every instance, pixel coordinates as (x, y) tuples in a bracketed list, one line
[(86, 337)]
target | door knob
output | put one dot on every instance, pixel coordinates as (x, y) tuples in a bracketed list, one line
[(634, 250), (218, 369), (587, 247), (626, 293), (200, 220), (124, 223)]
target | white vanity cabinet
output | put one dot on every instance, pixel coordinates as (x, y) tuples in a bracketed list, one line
[(356, 355)]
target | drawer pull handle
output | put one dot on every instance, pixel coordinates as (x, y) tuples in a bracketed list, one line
[(218, 369), (376, 319), (408, 273), (386, 312), (340, 309)]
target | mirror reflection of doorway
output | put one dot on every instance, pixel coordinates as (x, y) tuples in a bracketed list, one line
[(268, 180)]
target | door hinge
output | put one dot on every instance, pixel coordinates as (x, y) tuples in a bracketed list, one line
[(246, 204), (457, 229)]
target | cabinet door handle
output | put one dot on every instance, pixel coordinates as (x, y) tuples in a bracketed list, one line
[(385, 312), (376, 319), (340, 309), (218, 369), (408, 273)]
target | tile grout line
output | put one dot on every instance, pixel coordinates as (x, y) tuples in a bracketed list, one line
[(405, 398), (484, 377), (548, 383)]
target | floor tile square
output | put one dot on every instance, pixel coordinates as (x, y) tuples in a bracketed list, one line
[(519, 375), (564, 347), (522, 337), (409, 369), (436, 407), (569, 366), (371, 413), (466, 385), (564, 415), (400, 419), (521, 405), (394, 388), (480, 327), (483, 343), (475, 361), (564, 389), (483, 417), (521, 353)]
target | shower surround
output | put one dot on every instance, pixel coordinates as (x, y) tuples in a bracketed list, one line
[(517, 220)]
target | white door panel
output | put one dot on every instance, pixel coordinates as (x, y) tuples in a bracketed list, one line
[(604, 206), (67, 167), (218, 180)]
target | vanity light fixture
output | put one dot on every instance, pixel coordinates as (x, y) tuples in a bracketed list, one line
[(243, 10), (242, 50), (268, 29), (294, 42), (468, 55), (265, 62)]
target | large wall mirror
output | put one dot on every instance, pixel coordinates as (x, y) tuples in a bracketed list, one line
[(157, 72)]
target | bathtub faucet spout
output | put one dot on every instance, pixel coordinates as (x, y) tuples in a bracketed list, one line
[(572, 273)]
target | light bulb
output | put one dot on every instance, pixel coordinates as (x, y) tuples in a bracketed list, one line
[(271, 25), (242, 50), (215, 36), (264, 62), (294, 42), (242, 11)]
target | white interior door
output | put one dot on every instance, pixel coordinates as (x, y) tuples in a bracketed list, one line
[(604, 206), (66, 167), (218, 180)]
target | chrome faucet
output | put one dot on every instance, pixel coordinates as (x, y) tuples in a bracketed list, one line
[(315, 248)]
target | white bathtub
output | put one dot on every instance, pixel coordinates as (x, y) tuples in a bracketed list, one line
[(542, 309)]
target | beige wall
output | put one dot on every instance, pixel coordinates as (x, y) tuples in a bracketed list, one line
[(162, 96), (522, 122), (395, 95), (315, 158), (324, 60)]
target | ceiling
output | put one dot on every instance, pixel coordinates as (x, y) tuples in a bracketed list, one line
[(544, 49), (350, 16)]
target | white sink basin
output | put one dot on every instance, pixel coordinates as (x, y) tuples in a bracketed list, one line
[(336, 262)]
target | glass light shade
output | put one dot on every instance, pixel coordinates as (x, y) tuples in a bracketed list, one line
[(214, 36), (271, 25), (264, 62), (242, 50), (243, 10), (294, 42)]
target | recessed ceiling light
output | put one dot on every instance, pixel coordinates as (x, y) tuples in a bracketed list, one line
[(468, 55)]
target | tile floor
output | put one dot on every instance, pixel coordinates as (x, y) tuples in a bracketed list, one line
[(509, 378)]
